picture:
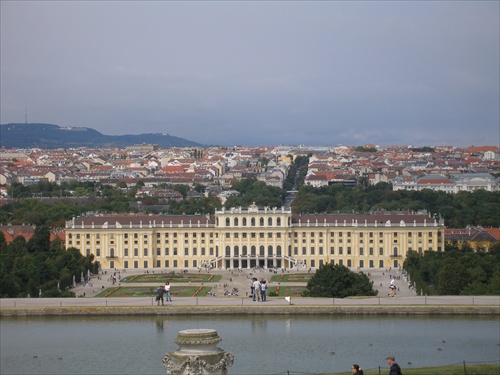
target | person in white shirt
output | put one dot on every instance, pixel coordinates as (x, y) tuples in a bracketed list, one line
[(256, 291), (167, 292), (263, 290)]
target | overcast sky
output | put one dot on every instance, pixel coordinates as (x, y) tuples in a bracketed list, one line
[(257, 73)]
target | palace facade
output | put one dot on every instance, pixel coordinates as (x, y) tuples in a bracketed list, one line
[(254, 237)]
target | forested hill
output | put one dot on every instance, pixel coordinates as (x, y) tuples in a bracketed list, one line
[(47, 136)]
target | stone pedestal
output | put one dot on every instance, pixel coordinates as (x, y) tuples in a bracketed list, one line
[(198, 354)]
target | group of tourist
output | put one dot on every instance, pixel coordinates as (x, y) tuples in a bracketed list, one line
[(258, 290), (161, 291), (394, 368)]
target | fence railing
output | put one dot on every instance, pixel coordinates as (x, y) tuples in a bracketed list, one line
[(493, 301)]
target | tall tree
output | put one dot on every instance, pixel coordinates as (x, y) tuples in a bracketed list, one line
[(339, 282), (40, 242)]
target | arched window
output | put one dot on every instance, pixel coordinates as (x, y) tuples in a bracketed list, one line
[(261, 251), (270, 221), (252, 250), (278, 222), (244, 251), (244, 221), (395, 251), (236, 222), (278, 250), (228, 251), (111, 253), (236, 251), (269, 251), (261, 222), (227, 222), (252, 222)]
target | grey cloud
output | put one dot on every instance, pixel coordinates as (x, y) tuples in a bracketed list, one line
[(257, 72)]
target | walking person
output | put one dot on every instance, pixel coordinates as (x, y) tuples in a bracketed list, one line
[(159, 295), (356, 370), (394, 367), (167, 292)]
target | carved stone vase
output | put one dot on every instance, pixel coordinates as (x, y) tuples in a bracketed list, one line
[(198, 354)]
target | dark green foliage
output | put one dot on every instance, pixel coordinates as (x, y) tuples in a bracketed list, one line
[(199, 188), (338, 282), (40, 242), (454, 272), (453, 278), (423, 149), (183, 189), (25, 268), (302, 162), (195, 206), (35, 212), (290, 178), (55, 213), (253, 191), (458, 210), (365, 149)]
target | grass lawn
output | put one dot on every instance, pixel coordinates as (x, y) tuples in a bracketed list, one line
[(144, 291), (284, 291), (470, 369), (292, 278), (172, 277)]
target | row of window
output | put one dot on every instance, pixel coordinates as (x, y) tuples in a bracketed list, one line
[(253, 222), (194, 263), (253, 235), (145, 252), (252, 251), (145, 236), (202, 242)]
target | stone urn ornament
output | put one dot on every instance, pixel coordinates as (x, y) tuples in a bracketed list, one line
[(198, 354)]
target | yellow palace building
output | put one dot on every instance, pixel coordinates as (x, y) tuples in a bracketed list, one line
[(254, 237)]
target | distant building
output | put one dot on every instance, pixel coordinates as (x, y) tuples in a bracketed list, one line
[(479, 239), (142, 148), (10, 232), (461, 182), (254, 237)]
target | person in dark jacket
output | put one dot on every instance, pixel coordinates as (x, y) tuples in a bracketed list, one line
[(159, 295), (394, 367), (356, 370)]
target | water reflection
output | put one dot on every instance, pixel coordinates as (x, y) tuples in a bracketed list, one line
[(135, 345), (160, 324)]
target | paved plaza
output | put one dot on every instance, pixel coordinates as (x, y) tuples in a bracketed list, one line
[(241, 281)]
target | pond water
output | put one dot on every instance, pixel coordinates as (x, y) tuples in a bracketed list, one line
[(261, 344)]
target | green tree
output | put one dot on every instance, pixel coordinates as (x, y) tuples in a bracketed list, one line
[(40, 242), (453, 278), (183, 189), (493, 288), (3, 243), (199, 188), (253, 191), (338, 282), (80, 192)]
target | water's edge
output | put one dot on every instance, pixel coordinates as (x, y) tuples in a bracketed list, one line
[(249, 310)]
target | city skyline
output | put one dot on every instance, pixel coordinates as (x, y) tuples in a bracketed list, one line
[(263, 73)]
